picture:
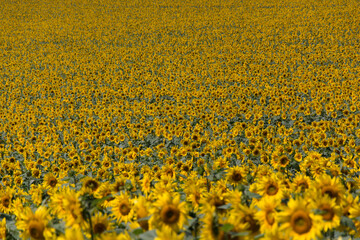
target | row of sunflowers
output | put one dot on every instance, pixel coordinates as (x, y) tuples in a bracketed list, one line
[(179, 119)]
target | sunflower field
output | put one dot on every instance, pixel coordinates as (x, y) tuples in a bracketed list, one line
[(179, 119)]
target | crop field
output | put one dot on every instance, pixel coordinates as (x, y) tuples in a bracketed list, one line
[(179, 119)]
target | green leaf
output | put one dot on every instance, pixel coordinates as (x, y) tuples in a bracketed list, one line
[(138, 231), (149, 235), (319, 211), (347, 222), (259, 236), (252, 195), (226, 206), (240, 234), (227, 227)]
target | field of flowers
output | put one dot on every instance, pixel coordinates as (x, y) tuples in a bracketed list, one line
[(179, 119)]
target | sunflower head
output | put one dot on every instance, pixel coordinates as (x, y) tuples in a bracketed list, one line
[(168, 212), (298, 222), (100, 223), (122, 208)]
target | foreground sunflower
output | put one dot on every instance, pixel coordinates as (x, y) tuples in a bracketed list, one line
[(331, 213), (122, 208), (298, 222), (35, 225), (267, 216), (168, 212), (271, 187), (3, 229), (100, 223), (332, 187), (66, 205)]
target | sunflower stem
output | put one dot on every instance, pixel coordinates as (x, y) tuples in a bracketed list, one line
[(91, 228)]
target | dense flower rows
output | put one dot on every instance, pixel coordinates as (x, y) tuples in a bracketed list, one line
[(179, 119)]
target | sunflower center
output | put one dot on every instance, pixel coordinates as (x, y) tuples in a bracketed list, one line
[(330, 191), (6, 201), (271, 189), (36, 230), (300, 222), (124, 209), (329, 213), (254, 225), (92, 184), (270, 217), (303, 185), (170, 214), (99, 228), (52, 182), (236, 177)]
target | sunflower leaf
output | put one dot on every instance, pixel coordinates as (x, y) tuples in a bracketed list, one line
[(347, 222), (138, 231), (252, 194), (259, 236), (226, 206), (227, 227), (239, 234), (149, 235)]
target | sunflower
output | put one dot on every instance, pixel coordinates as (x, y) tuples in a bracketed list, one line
[(247, 215), (236, 175), (142, 211), (215, 198), (168, 233), (89, 185), (329, 186), (104, 191), (51, 182), (122, 208), (212, 223), (300, 183), (331, 213), (146, 183), (35, 225), (66, 205), (298, 222), (3, 229), (72, 234), (100, 223), (6, 198), (267, 216), (270, 186), (118, 185), (168, 212)]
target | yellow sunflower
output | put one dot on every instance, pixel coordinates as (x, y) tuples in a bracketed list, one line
[(6, 197), (168, 212), (236, 175), (35, 225), (72, 234), (247, 215), (3, 229), (50, 182), (100, 223), (122, 208), (168, 233), (104, 191), (212, 223), (300, 183), (298, 222), (271, 186), (267, 215), (330, 212), (89, 185), (66, 205), (332, 187), (142, 211)]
